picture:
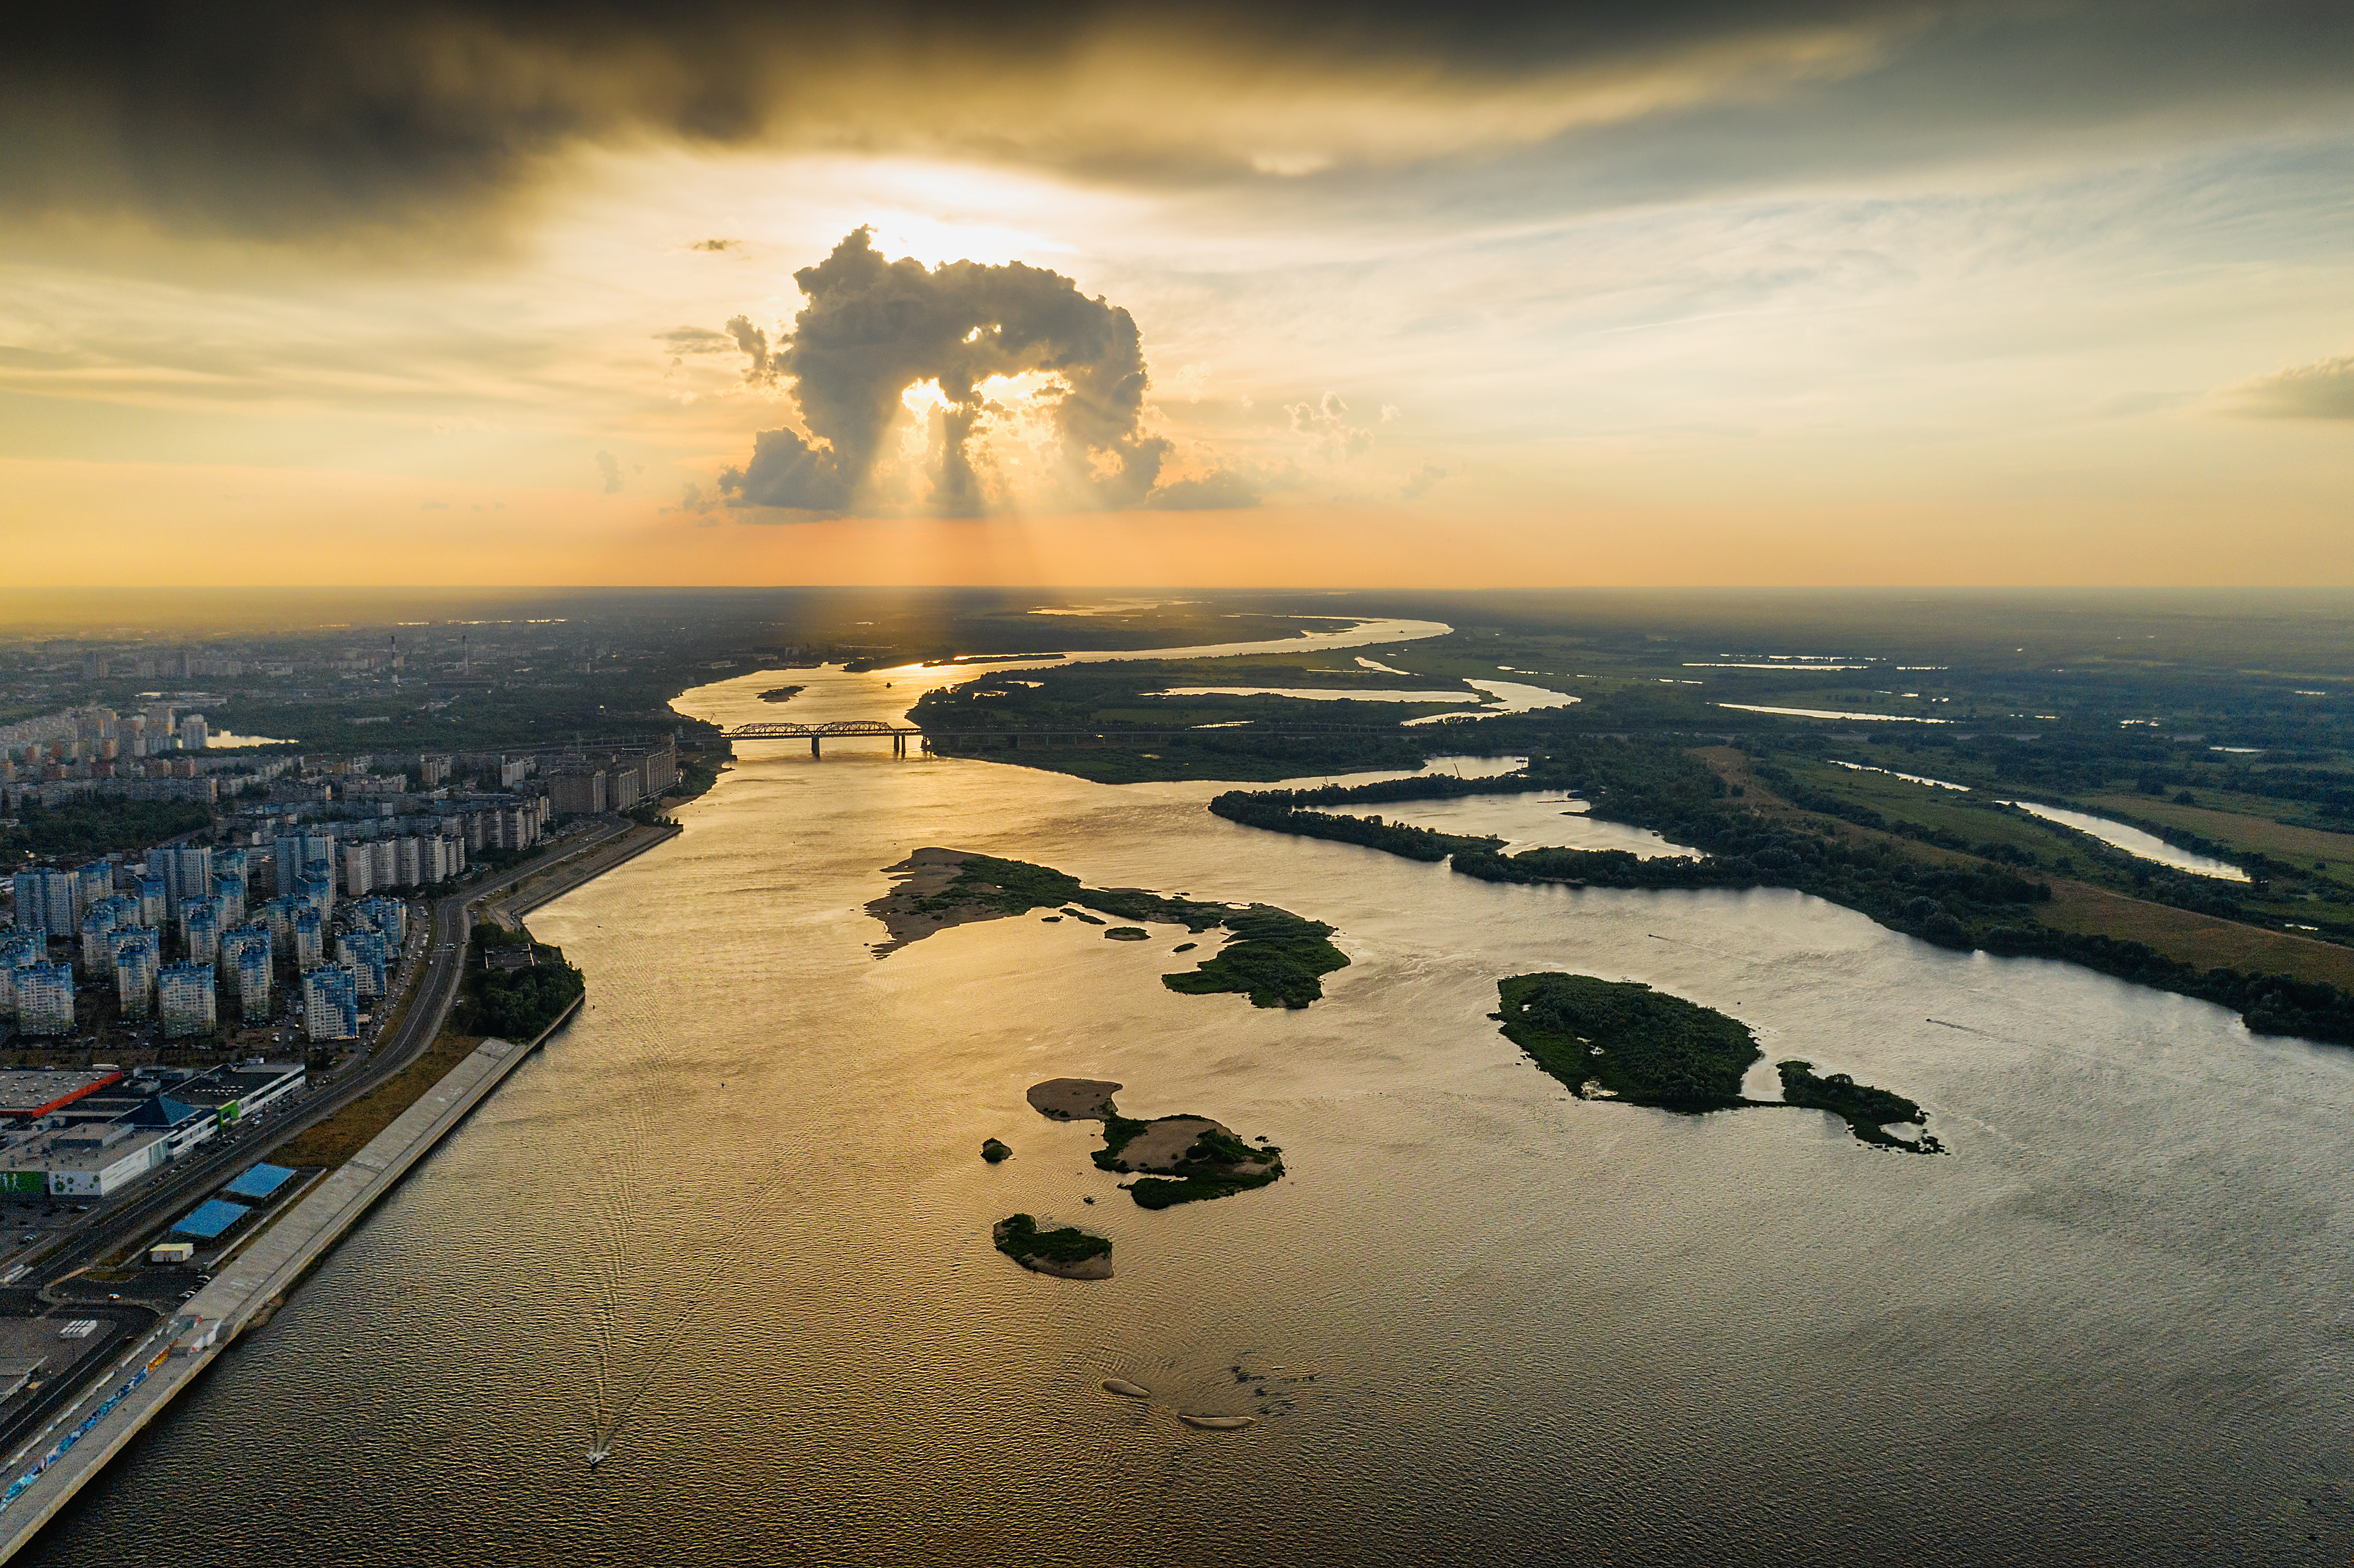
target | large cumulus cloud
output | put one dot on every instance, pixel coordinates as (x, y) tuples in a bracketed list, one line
[(873, 328)]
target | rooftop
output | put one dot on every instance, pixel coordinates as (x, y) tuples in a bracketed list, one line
[(35, 1091)]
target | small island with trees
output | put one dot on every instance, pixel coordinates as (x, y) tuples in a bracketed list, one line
[(1066, 1254), (1620, 1040), (1183, 1158), (1275, 958)]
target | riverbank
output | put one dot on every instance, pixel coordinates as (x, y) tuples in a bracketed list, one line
[(248, 1289)]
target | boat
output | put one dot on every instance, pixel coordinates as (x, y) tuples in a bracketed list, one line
[(598, 1457)]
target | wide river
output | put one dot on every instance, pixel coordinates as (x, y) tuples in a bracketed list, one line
[(738, 1206)]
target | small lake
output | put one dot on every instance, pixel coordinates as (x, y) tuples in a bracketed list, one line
[(1502, 696), (1832, 713), (2133, 841), (222, 739), (1893, 773), (1540, 819)]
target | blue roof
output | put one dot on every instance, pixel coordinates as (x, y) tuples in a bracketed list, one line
[(210, 1218), (162, 1111), (259, 1182)]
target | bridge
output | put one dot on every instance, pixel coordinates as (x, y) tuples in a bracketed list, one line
[(937, 741)]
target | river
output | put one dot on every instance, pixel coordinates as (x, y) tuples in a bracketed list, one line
[(740, 1199)]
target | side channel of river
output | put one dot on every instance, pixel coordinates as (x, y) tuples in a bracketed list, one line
[(739, 1207)]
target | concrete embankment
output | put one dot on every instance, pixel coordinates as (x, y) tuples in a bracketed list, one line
[(249, 1289), (558, 881)]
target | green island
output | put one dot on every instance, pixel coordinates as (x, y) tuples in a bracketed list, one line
[(1620, 1040), (996, 1150), (1868, 1112), (1067, 1253), (1183, 1159), (1275, 958), (1189, 1158)]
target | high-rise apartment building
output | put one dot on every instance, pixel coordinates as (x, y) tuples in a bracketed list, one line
[(138, 965), (317, 887), (295, 852), (92, 884), (98, 940), (387, 915), (229, 893), (45, 999), (154, 899), (44, 901), (202, 921), (363, 953), (331, 1008), (185, 1001), (19, 952), (187, 870), (249, 951), (359, 868), (194, 732), (310, 938)]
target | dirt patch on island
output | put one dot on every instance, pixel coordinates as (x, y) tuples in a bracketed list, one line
[(1073, 1099), (919, 880), (1163, 1143)]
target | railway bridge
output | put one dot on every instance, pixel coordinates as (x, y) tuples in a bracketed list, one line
[(961, 740)]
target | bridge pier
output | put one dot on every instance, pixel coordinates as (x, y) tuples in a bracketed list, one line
[(813, 750)]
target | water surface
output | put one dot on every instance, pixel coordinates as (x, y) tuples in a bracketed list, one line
[(2133, 841), (741, 1201)]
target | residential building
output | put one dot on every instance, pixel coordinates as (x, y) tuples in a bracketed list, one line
[(138, 967), (187, 999), (44, 901), (310, 938), (318, 889), (92, 884), (359, 869), (202, 921), (187, 870), (194, 732), (362, 952), (295, 852), (45, 999), (253, 973), (229, 892), (330, 1004), (577, 792), (97, 939), (17, 952), (154, 898)]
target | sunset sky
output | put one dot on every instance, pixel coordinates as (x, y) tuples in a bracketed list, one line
[(1867, 293)]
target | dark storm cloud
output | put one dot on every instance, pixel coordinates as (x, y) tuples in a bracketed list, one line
[(299, 121), (875, 328)]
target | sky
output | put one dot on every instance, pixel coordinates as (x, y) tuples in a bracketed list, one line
[(1691, 292)]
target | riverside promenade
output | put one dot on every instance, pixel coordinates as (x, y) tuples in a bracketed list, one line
[(243, 1294)]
